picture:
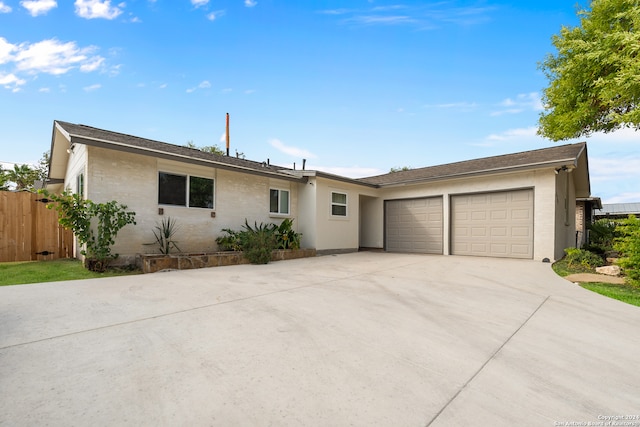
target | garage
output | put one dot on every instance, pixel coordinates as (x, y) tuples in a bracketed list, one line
[(498, 224), (414, 225)]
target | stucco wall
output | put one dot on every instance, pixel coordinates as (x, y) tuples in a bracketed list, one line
[(133, 180), (565, 213), (542, 181), (336, 232)]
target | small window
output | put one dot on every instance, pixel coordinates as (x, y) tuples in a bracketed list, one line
[(338, 204), (80, 185), (200, 192), (279, 201), (172, 189)]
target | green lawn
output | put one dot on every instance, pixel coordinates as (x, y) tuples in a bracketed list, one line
[(18, 273), (626, 293)]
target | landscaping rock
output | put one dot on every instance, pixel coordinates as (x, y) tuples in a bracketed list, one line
[(609, 270)]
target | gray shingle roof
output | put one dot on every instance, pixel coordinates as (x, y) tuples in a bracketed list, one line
[(527, 159), (99, 137), (618, 209)]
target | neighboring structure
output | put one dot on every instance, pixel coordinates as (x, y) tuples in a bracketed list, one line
[(617, 210), (517, 205), (585, 210)]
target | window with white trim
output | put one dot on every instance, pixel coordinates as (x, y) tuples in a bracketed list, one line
[(185, 190), (80, 185), (338, 204), (279, 201)]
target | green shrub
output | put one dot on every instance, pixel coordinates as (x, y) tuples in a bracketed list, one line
[(580, 257), (259, 242), (286, 238), (628, 245), (95, 225), (163, 234), (602, 234)]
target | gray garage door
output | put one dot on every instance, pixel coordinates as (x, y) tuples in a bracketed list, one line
[(414, 225), (493, 224)]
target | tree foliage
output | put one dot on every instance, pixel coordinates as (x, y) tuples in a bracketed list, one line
[(23, 176), (400, 169), (207, 148), (594, 77), (628, 244)]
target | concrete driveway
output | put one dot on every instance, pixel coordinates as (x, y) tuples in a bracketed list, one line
[(360, 339)]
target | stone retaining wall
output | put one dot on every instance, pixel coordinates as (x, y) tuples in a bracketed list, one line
[(150, 263)]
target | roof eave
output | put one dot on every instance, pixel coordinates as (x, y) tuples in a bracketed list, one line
[(531, 166)]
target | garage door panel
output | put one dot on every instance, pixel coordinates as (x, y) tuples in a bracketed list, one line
[(414, 225), (493, 224)]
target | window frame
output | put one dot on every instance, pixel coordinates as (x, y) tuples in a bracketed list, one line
[(187, 190), (80, 184), (345, 204), (280, 190)]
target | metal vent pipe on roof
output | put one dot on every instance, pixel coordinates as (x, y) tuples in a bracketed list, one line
[(227, 134)]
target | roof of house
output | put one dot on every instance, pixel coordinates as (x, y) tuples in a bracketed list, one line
[(88, 135), (564, 155), (558, 157), (618, 209)]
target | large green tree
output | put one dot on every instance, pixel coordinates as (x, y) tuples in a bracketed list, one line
[(23, 176), (594, 79), (4, 181)]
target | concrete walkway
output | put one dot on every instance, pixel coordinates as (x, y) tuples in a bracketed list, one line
[(364, 339)]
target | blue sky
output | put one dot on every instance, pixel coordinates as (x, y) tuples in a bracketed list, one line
[(354, 87)]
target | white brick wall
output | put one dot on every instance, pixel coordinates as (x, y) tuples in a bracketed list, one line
[(133, 180)]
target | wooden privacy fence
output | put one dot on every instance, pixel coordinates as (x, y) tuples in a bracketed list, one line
[(29, 231)]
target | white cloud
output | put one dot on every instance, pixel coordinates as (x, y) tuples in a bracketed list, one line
[(38, 7), (91, 9), (44, 90), (92, 87), (249, 91), (204, 85), (614, 177), (199, 3), (215, 14), (250, 3), (6, 49), (226, 90), (4, 8), (162, 86), (627, 197), (511, 134), (461, 106), (523, 102), (53, 57), (619, 136), (11, 81), (292, 151), (92, 65)]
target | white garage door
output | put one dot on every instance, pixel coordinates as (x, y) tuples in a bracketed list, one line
[(414, 225), (493, 224)]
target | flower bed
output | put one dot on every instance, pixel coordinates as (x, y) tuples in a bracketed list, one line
[(150, 263)]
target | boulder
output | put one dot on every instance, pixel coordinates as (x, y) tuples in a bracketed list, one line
[(609, 270)]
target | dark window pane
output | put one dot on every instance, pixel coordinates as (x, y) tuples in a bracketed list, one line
[(338, 210), (273, 201), (200, 192), (172, 189)]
